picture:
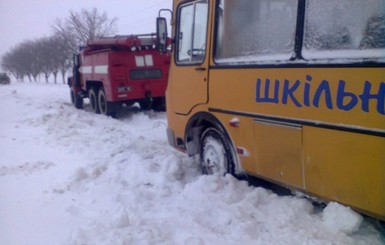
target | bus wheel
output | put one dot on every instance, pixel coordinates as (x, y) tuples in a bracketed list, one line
[(93, 101), (215, 153), (105, 107), (76, 100)]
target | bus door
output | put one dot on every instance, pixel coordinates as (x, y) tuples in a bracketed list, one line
[(189, 80)]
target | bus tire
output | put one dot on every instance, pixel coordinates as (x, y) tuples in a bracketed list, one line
[(215, 153), (93, 100)]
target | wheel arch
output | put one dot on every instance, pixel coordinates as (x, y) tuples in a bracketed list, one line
[(197, 125)]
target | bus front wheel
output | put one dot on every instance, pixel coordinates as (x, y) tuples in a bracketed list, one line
[(215, 153)]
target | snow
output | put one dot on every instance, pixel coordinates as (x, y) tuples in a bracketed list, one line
[(311, 57), (339, 56), (340, 218), (68, 176)]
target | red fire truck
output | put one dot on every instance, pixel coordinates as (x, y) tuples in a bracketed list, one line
[(120, 70)]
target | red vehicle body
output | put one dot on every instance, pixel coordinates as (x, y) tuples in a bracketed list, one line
[(120, 70)]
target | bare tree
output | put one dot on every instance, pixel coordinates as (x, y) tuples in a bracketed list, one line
[(56, 56), (63, 56), (51, 55), (45, 57), (79, 27), (21, 61), (48, 55), (9, 63)]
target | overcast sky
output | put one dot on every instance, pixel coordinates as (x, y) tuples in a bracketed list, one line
[(22, 20)]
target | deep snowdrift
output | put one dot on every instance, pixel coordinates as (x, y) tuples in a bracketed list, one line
[(68, 176)]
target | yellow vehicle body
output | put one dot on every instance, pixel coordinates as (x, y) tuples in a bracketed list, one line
[(314, 128)]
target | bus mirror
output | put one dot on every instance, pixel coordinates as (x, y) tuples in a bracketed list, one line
[(161, 33)]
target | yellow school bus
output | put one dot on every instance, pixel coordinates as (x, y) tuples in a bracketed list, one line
[(290, 91)]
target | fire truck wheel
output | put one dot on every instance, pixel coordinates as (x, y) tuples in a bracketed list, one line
[(105, 107), (93, 100), (159, 104), (215, 153), (76, 100), (145, 105)]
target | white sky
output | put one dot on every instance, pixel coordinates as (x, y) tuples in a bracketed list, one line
[(22, 20)]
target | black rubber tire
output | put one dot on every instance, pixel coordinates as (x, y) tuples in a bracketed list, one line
[(159, 104), (92, 95), (145, 104), (105, 107), (215, 153), (72, 94), (76, 100)]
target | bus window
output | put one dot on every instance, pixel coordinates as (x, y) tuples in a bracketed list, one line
[(250, 30), (192, 33), (334, 27)]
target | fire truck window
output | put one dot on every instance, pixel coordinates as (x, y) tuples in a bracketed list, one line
[(191, 36), (255, 31), (139, 61), (145, 74)]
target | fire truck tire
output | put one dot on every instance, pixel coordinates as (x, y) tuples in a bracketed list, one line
[(76, 100), (159, 104), (93, 100), (145, 105), (105, 107), (215, 153)]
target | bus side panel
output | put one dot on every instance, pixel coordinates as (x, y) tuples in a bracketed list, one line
[(279, 153), (346, 167), (241, 137)]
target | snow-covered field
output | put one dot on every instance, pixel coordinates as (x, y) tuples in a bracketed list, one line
[(68, 176)]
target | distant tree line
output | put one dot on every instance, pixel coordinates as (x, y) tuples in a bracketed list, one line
[(47, 55), (52, 55)]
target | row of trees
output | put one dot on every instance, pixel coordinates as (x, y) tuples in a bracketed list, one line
[(53, 55), (47, 56)]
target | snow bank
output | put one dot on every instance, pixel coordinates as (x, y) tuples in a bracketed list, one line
[(68, 176), (341, 219)]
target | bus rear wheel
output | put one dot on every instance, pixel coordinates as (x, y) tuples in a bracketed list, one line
[(215, 153)]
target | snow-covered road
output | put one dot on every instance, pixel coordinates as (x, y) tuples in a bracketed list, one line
[(68, 176)]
